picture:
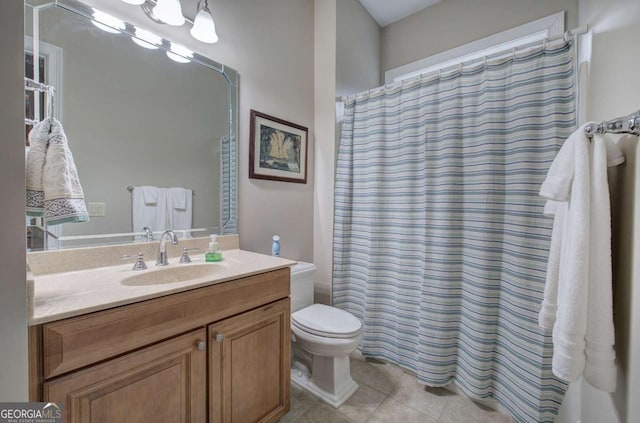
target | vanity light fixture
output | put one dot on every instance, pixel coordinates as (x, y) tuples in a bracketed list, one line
[(146, 39), (169, 12), (204, 29), (179, 53), (106, 22)]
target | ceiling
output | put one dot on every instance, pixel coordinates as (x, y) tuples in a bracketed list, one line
[(389, 11)]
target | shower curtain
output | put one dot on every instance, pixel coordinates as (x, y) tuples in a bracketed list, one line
[(440, 241)]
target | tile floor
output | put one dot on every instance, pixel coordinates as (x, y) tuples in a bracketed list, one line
[(388, 394)]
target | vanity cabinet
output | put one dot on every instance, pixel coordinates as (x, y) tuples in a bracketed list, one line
[(249, 359), (220, 353)]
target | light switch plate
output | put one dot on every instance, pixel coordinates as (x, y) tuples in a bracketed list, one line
[(97, 209)]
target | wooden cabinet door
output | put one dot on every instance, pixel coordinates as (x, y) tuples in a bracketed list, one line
[(249, 359), (165, 382)]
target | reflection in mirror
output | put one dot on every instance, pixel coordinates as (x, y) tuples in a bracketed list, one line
[(135, 116)]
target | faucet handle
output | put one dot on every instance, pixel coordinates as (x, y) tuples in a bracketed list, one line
[(139, 264), (185, 255)]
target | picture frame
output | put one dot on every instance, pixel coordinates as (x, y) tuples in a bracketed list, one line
[(277, 149)]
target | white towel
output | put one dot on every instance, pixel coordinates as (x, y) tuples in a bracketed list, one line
[(180, 208), (177, 198), (150, 214), (600, 370), (569, 297), (53, 186), (568, 179), (149, 194), (547, 316)]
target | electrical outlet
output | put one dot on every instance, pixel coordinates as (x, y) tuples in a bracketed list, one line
[(97, 209)]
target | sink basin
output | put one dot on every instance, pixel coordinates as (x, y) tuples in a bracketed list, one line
[(175, 274)]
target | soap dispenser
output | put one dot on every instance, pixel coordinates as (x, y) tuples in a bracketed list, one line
[(275, 246), (213, 253)]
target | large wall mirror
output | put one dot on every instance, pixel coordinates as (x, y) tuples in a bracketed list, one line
[(136, 118)]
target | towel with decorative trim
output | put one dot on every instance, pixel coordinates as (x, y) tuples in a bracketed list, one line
[(53, 187), (36, 155)]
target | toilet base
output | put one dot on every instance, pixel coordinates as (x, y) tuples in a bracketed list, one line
[(334, 389)]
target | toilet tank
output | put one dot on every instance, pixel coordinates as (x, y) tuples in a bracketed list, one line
[(302, 285)]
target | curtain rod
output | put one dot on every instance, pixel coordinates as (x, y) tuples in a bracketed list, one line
[(629, 124), (565, 36)]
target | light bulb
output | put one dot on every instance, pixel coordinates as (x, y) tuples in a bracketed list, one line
[(169, 12), (204, 29), (106, 22), (146, 39), (134, 2), (179, 53)]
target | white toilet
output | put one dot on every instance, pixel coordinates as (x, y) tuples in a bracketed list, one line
[(323, 338)]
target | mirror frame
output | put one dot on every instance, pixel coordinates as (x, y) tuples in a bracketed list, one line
[(229, 215)]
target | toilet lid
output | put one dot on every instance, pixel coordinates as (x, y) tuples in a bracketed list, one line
[(323, 320)]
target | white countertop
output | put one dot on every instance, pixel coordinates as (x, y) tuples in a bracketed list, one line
[(60, 295)]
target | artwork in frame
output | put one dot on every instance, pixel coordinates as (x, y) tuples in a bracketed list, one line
[(277, 149)]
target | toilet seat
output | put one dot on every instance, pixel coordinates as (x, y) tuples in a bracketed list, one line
[(325, 321)]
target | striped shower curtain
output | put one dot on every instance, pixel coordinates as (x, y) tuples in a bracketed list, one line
[(440, 241)]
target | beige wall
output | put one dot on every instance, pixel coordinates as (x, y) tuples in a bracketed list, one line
[(273, 52), (357, 49), (325, 122), (13, 310), (270, 44), (614, 91), (452, 23)]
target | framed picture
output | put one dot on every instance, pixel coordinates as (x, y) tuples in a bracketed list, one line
[(277, 149)]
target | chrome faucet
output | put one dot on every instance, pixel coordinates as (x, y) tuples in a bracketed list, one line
[(162, 249), (148, 235)]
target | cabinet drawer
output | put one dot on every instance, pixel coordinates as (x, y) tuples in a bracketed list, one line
[(79, 341)]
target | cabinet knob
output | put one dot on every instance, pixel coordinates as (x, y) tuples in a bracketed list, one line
[(219, 337), (201, 345)]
